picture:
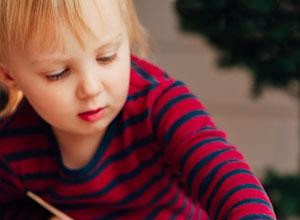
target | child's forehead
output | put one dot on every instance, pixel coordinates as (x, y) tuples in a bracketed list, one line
[(69, 49), (103, 23)]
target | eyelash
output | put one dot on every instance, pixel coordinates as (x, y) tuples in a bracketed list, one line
[(57, 76), (105, 60)]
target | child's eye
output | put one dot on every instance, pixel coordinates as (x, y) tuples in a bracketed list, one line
[(107, 59), (57, 76)]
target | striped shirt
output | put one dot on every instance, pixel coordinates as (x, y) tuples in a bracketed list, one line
[(160, 158)]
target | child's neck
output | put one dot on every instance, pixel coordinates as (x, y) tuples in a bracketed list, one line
[(77, 151)]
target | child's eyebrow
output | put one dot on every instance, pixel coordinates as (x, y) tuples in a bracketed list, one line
[(110, 42)]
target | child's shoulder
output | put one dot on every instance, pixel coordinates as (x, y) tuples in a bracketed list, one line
[(22, 131), (23, 118), (145, 72), (149, 80)]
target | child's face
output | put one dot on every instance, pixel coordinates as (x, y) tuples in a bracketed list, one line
[(78, 91)]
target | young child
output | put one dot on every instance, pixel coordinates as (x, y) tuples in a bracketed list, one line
[(102, 134)]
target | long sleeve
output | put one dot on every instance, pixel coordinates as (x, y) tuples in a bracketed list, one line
[(10, 185), (213, 171), (12, 198)]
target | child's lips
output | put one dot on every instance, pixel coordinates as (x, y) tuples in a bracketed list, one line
[(93, 115)]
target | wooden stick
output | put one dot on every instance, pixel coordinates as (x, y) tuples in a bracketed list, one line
[(47, 206)]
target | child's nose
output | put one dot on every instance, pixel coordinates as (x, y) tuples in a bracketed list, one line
[(89, 85)]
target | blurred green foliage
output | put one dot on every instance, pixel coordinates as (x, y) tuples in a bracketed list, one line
[(261, 35), (284, 192)]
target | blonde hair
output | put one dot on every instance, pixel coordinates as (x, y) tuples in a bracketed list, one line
[(20, 20)]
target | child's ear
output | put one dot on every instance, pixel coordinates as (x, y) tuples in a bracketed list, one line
[(6, 77)]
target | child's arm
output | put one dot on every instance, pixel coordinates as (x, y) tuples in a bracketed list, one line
[(213, 171), (10, 185), (12, 197)]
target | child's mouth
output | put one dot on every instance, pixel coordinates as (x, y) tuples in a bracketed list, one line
[(93, 115)]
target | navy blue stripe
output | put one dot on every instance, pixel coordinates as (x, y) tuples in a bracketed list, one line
[(252, 200), (158, 196), (196, 169), (167, 89), (177, 211), (178, 123), (138, 193), (109, 136), (145, 75), (220, 182), (157, 210), (115, 215), (138, 144), (141, 93), (169, 105), (133, 196), (40, 176), (161, 193), (207, 128), (166, 76), (115, 182), (191, 135), (248, 201), (134, 120), (257, 216), (119, 179), (21, 131), (7, 184), (232, 192), (210, 176), (195, 147), (75, 206), (29, 154), (5, 167)]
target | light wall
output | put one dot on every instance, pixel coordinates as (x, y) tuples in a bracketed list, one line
[(265, 129)]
